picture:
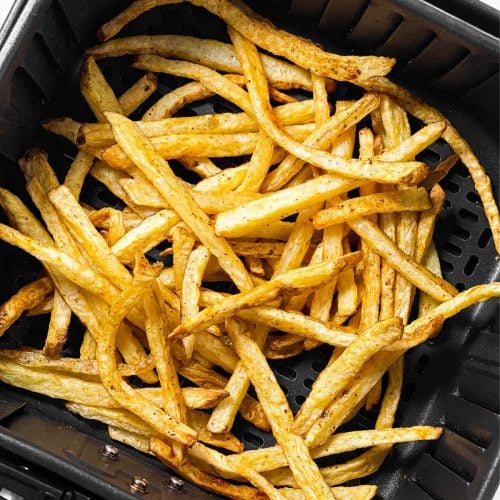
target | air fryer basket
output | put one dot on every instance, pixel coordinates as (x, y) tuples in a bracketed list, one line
[(452, 381)]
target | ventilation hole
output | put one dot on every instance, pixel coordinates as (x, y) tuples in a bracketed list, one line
[(450, 186), (428, 156), (447, 267), (467, 215), (421, 364), (308, 383), (474, 198), (461, 170), (447, 204), (460, 232), (408, 391), (319, 366), (252, 439), (485, 237), (460, 286), (107, 197), (300, 399), (286, 372), (471, 265), (451, 248)]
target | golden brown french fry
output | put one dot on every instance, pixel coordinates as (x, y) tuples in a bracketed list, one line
[(27, 297), (57, 332), (298, 50), (159, 173), (44, 307), (274, 206), (183, 242), (414, 272), (440, 172), (100, 135), (337, 375), (337, 131), (96, 90), (190, 291), (246, 51), (428, 114), (275, 405), (431, 262), (145, 236), (391, 201), (138, 93), (204, 167)]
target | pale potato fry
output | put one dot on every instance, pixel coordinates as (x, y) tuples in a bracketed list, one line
[(100, 135), (212, 145), (77, 172), (274, 206), (298, 50), (415, 199), (96, 90), (414, 272), (430, 261), (27, 297), (65, 127), (204, 167)]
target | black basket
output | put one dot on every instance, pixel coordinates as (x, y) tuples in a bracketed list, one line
[(452, 381)]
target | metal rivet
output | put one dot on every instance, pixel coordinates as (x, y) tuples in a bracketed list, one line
[(139, 485), (176, 484), (109, 451)]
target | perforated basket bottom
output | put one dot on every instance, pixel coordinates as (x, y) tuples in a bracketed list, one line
[(450, 381)]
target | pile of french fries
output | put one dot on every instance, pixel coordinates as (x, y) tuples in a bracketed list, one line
[(343, 269)]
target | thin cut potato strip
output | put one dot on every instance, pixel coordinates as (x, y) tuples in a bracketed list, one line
[(27, 297), (212, 53), (391, 201), (254, 225), (428, 114), (414, 272), (148, 160), (298, 50), (99, 135)]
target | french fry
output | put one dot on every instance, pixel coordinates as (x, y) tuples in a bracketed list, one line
[(57, 332), (428, 114), (431, 262), (138, 93), (274, 402), (400, 261), (204, 167), (212, 53), (65, 127), (100, 135), (274, 206), (410, 172), (342, 371), (137, 146), (27, 297), (190, 291), (440, 172), (415, 199), (298, 50), (96, 90)]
